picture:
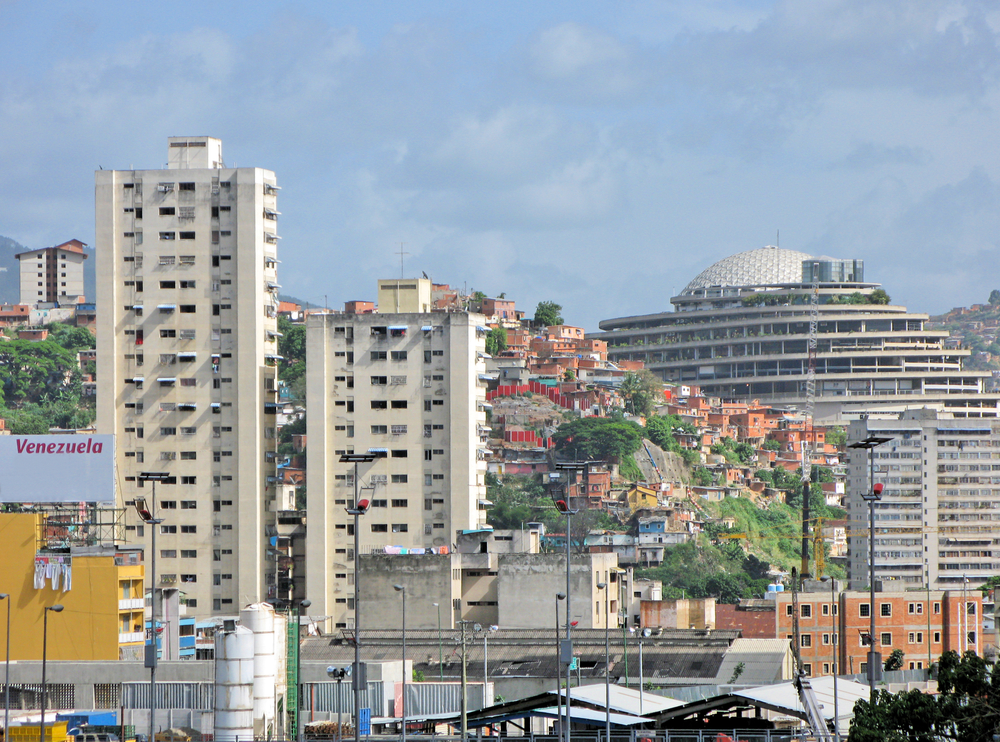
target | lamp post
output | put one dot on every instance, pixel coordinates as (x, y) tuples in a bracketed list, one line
[(359, 678), (402, 589), (559, 596), (607, 661), (834, 613), (299, 695), (440, 645), (147, 516), (6, 681), (486, 630), (465, 684), (45, 648), (567, 651), (338, 674), (872, 494)]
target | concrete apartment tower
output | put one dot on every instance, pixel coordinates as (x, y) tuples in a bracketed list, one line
[(187, 331), (408, 387), (53, 274)]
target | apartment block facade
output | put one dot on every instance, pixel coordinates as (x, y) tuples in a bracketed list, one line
[(923, 624), (409, 388), (938, 519), (53, 274), (187, 300)]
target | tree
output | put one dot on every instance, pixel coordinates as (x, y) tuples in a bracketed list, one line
[(547, 314), (836, 436), (995, 297), (702, 477), (598, 438), (496, 341), (895, 660), (771, 445), (71, 338), (878, 296), (34, 372), (641, 390), (292, 349)]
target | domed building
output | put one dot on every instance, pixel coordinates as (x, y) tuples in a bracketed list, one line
[(740, 330)]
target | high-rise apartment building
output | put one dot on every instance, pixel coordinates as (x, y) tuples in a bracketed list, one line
[(409, 388), (53, 274), (939, 514), (187, 349)]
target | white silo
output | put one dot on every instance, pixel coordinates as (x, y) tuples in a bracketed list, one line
[(234, 681), (259, 618)]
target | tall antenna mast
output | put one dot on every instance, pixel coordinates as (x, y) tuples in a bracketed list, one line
[(401, 254)]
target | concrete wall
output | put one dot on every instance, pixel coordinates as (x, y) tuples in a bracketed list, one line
[(527, 585), (427, 578)]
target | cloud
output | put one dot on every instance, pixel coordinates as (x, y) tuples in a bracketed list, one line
[(866, 155)]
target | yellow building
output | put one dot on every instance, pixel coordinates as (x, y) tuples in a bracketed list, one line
[(99, 586), (639, 497)]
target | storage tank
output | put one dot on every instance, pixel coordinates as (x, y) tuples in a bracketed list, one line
[(259, 618), (234, 676)]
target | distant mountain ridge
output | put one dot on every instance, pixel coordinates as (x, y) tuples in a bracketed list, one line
[(10, 279)]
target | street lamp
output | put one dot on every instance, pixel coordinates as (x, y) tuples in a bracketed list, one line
[(607, 662), (45, 648), (872, 495), (6, 682), (299, 695), (834, 613), (487, 630), (402, 589), (147, 516), (440, 645), (567, 653), (559, 596), (359, 679), (338, 674)]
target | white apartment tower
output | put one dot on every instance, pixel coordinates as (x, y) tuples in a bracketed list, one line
[(410, 388), (187, 346), (939, 515), (53, 274)]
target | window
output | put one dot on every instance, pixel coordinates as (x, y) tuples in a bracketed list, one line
[(380, 528), (428, 456), (380, 404), (399, 503), (189, 578), (399, 453), (915, 608), (187, 308), (168, 235), (168, 529), (970, 608), (789, 610), (807, 669), (937, 608), (380, 429), (806, 612), (189, 553), (885, 638), (167, 211), (399, 479), (864, 610), (187, 186), (380, 380), (806, 640), (168, 553), (885, 609), (188, 480), (398, 430), (167, 284), (937, 637), (189, 529), (398, 355), (399, 404), (189, 505), (400, 528), (168, 431), (378, 355), (826, 639)]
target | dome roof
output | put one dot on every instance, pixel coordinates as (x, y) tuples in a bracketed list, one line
[(766, 265)]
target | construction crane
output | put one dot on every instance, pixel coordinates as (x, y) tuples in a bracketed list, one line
[(807, 431)]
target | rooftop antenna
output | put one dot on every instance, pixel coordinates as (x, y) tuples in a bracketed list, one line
[(777, 238), (401, 254)]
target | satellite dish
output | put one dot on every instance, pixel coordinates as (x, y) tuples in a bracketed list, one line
[(647, 633)]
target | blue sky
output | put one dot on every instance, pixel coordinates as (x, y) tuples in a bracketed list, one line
[(595, 154)]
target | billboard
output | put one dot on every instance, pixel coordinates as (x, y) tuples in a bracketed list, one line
[(57, 468)]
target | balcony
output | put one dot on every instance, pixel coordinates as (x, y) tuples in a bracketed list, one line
[(129, 604), (133, 637)]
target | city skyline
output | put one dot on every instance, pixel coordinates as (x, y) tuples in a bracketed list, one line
[(517, 149)]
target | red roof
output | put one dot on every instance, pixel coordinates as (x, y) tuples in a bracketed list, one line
[(71, 246)]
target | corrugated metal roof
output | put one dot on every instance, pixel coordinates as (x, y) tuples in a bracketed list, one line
[(584, 715), (622, 699), (764, 661), (786, 697)]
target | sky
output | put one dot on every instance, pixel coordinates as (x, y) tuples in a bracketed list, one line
[(599, 155)]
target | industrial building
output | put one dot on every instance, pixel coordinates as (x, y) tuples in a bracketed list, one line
[(187, 321), (741, 331)]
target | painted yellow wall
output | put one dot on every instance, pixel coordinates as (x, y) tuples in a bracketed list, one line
[(87, 628)]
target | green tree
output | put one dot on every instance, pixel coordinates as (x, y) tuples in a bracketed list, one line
[(895, 660), (292, 349), (878, 296), (547, 314), (836, 436), (641, 390), (771, 445), (33, 372), (995, 297), (71, 338), (702, 477), (598, 438), (496, 341)]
